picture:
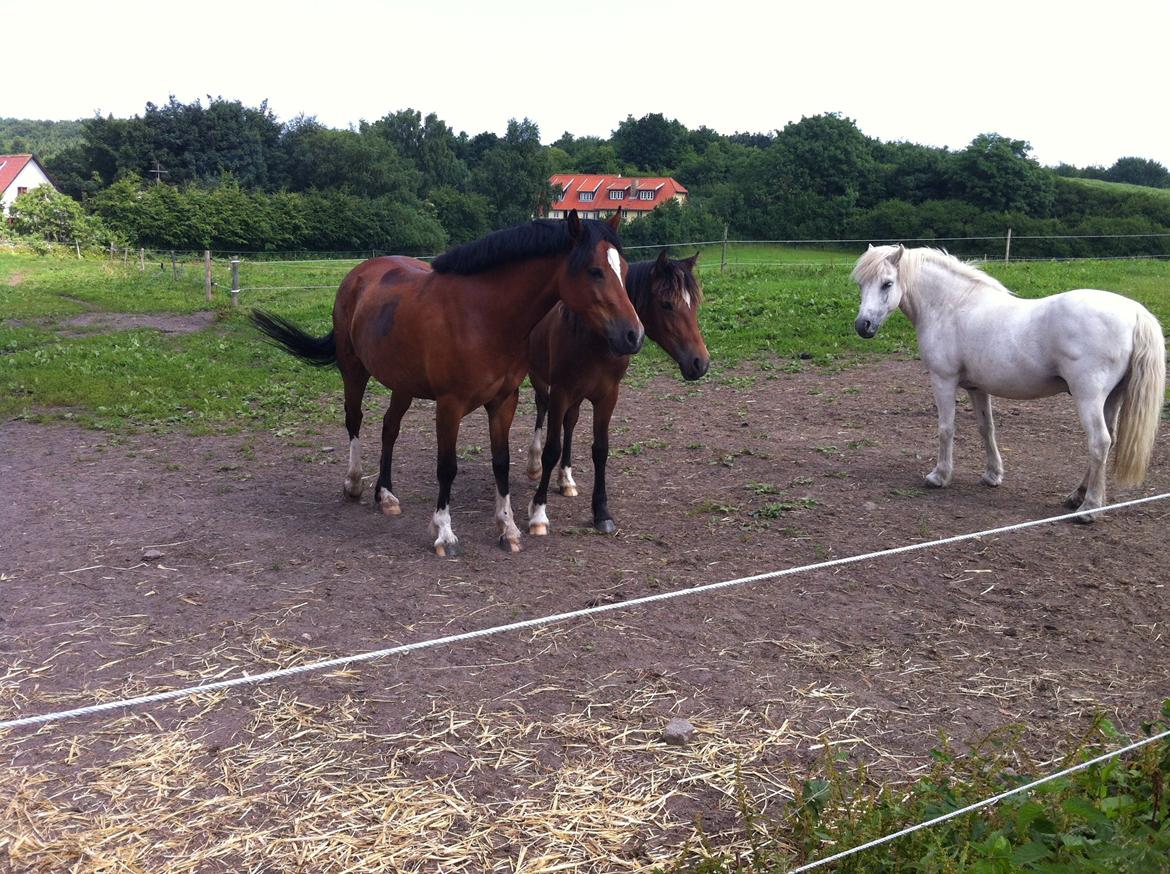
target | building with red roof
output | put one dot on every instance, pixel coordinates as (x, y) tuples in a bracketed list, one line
[(18, 174), (598, 196)]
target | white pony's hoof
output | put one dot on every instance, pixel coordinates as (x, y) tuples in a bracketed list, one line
[(509, 544), (352, 489), (936, 480), (992, 479), (450, 549), (534, 475)]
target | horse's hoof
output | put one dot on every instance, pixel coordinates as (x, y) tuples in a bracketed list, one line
[(390, 509), (569, 491), (1086, 518), (350, 493), (1074, 500), (992, 480), (605, 526), (509, 545), (538, 530), (934, 481), (534, 475), (448, 550)]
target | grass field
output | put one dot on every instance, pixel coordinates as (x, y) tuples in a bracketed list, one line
[(1121, 186), (796, 309)]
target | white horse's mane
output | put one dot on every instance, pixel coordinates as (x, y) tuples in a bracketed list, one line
[(913, 260)]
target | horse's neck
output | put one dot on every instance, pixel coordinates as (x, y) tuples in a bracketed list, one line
[(529, 292), (934, 291)]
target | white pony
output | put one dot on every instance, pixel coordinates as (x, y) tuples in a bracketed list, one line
[(1106, 350)]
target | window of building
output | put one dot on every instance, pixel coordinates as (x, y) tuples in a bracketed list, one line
[(645, 195), (617, 195), (21, 189), (586, 195)]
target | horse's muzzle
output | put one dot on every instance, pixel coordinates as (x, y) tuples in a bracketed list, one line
[(866, 328), (694, 367), (625, 338)]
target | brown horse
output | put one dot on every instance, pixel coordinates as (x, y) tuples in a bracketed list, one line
[(456, 331), (568, 362)]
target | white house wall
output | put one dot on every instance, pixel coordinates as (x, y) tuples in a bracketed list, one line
[(30, 177)]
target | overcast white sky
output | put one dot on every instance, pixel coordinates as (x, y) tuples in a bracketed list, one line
[(1084, 83)]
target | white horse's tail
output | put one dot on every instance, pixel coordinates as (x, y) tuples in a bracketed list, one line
[(1141, 405)]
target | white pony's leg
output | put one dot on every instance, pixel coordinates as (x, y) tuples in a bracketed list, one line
[(944, 400), (1111, 409), (353, 474), (1091, 410), (446, 543), (981, 401)]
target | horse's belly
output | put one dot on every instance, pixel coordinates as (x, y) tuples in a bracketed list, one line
[(1020, 385)]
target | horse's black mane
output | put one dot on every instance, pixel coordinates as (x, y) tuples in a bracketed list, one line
[(531, 240)]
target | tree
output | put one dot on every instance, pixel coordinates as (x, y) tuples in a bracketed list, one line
[(513, 175), (1139, 171), (996, 173), (651, 143), (42, 213)]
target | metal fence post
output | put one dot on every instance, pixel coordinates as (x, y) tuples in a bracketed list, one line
[(235, 282)]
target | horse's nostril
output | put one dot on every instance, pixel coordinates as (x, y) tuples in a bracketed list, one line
[(632, 337)]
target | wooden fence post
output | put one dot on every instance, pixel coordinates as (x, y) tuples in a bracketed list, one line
[(1007, 249), (174, 265), (77, 246), (235, 282), (141, 259), (723, 258), (207, 272)]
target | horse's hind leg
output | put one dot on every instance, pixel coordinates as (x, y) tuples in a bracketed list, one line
[(981, 401), (355, 378), (538, 508), (500, 417), (537, 444), (565, 483), (384, 497), (1109, 413)]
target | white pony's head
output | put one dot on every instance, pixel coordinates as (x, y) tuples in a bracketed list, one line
[(876, 272)]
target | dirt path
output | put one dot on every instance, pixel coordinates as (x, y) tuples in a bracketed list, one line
[(527, 750)]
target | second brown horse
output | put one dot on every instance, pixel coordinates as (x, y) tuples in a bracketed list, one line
[(569, 362)]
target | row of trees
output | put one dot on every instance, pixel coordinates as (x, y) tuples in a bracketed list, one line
[(229, 176)]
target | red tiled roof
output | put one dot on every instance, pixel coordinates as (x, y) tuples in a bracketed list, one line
[(10, 167), (573, 184)]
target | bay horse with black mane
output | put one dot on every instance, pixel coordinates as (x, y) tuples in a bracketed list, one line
[(456, 331), (569, 362)]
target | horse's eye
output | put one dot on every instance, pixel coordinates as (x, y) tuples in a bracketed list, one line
[(596, 272), (887, 285), (667, 305)]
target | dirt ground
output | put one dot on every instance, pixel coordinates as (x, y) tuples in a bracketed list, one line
[(528, 751)]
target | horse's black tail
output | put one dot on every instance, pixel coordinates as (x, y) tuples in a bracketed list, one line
[(318, 351)]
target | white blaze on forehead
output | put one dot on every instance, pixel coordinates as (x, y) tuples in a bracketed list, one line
[(615, 261), (687, 298)]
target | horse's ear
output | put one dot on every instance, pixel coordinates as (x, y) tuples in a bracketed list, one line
[(690, 263), (870, 249), (574, 221), (662, 262), (897, 254), (615, 220)]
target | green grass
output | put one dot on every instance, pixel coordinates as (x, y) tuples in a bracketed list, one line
[(1110, 817), (1120, 186), (796, 311)]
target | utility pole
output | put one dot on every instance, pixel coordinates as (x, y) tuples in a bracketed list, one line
[(158, 172)]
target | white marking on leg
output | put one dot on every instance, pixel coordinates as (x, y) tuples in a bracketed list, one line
[(615, 261), (353, 476), (505, 521), (445, 538), (565, 482), (537, 519), (534, 461), (388, 502)]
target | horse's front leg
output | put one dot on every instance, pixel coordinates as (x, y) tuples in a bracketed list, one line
[(602, 413), (538, 509), (448, 414), (981, 401), (565, 482), (384, 497), (500, 415), (944, 400)]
